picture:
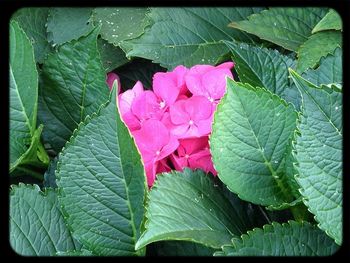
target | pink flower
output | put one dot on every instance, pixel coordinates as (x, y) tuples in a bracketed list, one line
[(125, 101), (193, 153), (191, 117), (155, 143), (111, 77), (146, 106), (209, 81), (169, 85)]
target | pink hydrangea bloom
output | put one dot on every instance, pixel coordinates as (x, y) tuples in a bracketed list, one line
[(171, 123), (155, 142), (191, 117), (193, 153), (209, 81)]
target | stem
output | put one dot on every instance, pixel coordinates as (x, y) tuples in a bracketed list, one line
[(300, 213), (35, 174)]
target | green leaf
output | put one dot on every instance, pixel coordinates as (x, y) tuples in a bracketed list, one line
[(102, 184), (37, 227), (318, 151), (331, 20), (188, 36), (112, 57), (120, 24), (286, 27), (24, 137), (181, 248), (33, 22), (248, 143), (329, 71), (189, 206), (75, 253), (289, 239), (317, 46), (73, 86), (138, 69), (66, 24), (262, 67)]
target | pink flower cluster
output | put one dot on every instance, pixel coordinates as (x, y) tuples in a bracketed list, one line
[(171, 124)]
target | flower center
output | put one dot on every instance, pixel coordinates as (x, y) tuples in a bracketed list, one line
[(162, 104), (187, 156), (211, 99), (190, 122), (157, 153)]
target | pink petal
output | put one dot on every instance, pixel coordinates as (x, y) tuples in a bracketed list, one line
[(191, 146), (151, 138), (228, 65), (163, 166), (214, 82), (146, 106), (150, 168), (178, 162), (178, 115), (165, 88), (204, 127), (181, 131), (169, 148), (202, 160), (131, 121), (198, 108), (126, 98), (111, 77)]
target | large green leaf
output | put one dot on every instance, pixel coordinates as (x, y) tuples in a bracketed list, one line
[(121, 23), (250, 134), (24, 136), (188, 36), (111, 56), (262, 67), (317, 46), (287, 27), (33, 22), (289, 239), (37, 227), (73, 86), (102, 184), (329, 71), (319, 154), (66, 24), (190, 206), (331, 20), (180, 248)]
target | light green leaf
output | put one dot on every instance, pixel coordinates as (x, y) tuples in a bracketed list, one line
[(75, 253), (248, 143), (331, 20), (112, 57), (286, 27), (24, 137), (262, 67), (37, 227), (289, 239), (73, 86), (189, 206), (317, 46), (102, 184), (33, 22), (318, 151), (188, 36), (121, 23), (66, 24), (329, 71)]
